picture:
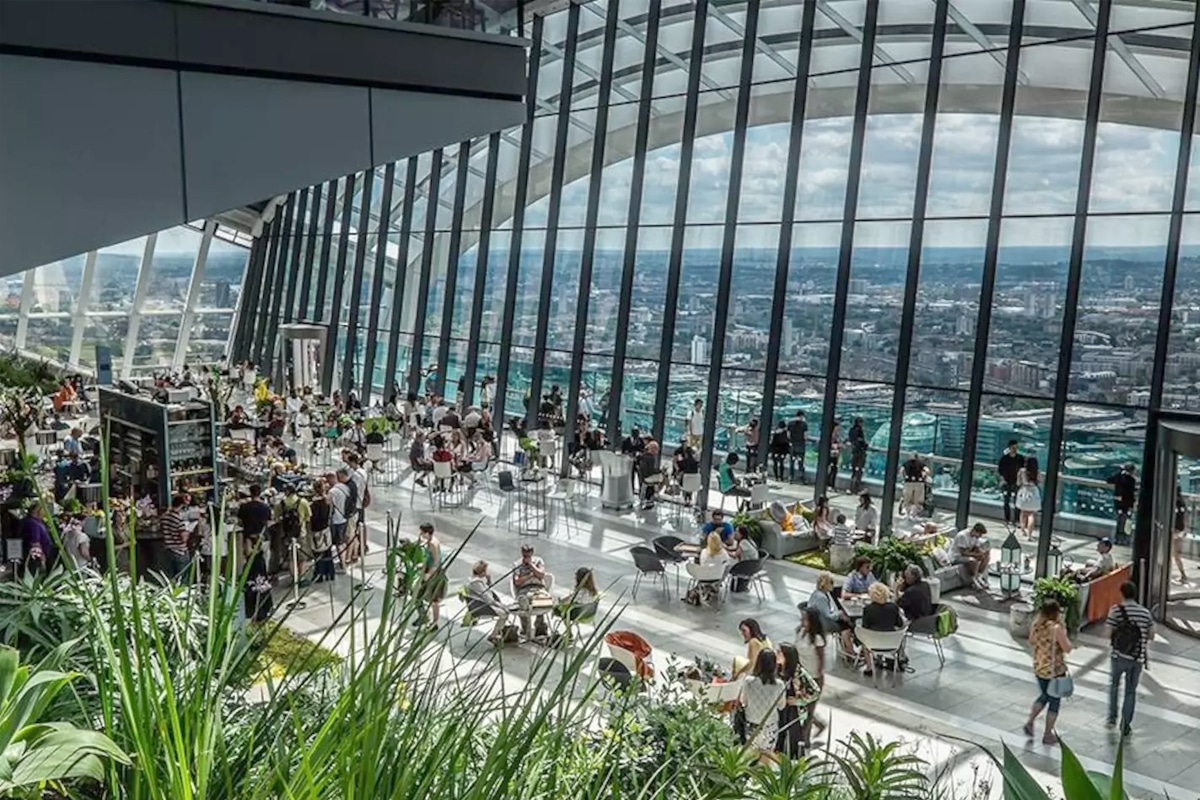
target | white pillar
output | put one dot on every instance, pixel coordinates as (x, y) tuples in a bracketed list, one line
[(26, 304), (81, 307), (139, 299), (189, 310)]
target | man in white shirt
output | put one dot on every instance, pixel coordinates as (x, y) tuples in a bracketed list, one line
[(971, 549), (339, 495), (472, 419), (695, 425)]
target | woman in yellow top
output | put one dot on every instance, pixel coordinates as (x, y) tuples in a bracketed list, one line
[(1048, 637), (756, 641)]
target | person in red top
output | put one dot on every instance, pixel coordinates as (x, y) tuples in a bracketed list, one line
[(442, 454)]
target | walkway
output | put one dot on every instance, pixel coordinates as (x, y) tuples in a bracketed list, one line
[(980, 696)]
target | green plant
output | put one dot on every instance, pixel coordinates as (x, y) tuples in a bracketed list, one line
[(875, 770), (753, 522), (1062, 591), (377, 425), (34, 752), (891, 556), (72, 506), (1077, 783), (19, 411)]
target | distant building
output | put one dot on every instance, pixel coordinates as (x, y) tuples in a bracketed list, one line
[(699, 350)]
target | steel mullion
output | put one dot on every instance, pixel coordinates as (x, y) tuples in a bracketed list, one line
[(335, 310), (240, 346), (354, 305), (1141, 542), (1074, 277), (452, 256), (636, 181), (482, 253), (737, 158), (783, 255), (266, 287), (691, 111), (310, 247), (520, 192), (398, 282), (416, 357), (183, 337), (326, 245), (991, 256), (287, 245), (375, 299), (587, 257), (846, 250), (916, 243), (298, 242), (550, 248)]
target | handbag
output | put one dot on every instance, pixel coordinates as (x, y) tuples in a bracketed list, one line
[(1064, 685)]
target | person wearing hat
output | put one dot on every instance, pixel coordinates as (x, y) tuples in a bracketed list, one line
[(529, 581)]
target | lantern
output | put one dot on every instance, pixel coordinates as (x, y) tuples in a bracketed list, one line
[(1054, 560), (1010, 565)]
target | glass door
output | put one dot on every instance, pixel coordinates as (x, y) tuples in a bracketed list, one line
[(1174, 554)]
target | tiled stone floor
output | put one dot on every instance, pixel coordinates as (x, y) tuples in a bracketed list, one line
[(980, 696)]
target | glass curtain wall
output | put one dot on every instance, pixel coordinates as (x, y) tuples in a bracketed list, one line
[(946, 218), (157, 302)]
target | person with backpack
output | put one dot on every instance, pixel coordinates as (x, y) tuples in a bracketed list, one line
[(322, 540), (294, 515), (356, 529), (1130, 629), (343, 498)]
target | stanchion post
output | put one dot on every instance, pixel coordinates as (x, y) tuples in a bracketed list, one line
[(295, 602)]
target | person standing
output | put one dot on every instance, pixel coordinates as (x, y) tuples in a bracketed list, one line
[(1130, 628), (1029, 495), (858, 455), (798, 439), (1178, 532), (433, 580), (695, 425), (1124, 485), (175, 538), (835, 455), (1048, 637), (780, 446), (1010, 464), (912, 497), (752, 436)]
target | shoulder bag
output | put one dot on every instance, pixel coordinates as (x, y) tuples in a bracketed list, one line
[(1064, 685)]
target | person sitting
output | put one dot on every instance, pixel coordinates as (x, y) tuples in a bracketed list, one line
[(719, 526), (56, 422), (529, 582), (478, 454), (237, 419), (756, 642), (741, 547), (833, 618), (686, 463), (633, 444), (472, 419), (841, 534), (970, 549), (881, 614), (728, 483), (356, 437), (714, 554), (822, 521), (916, 596), (583, 595), (417, 459), (64, 395), (1102, 565), (866, 516), (441, 454), (860, 580), (483, 600)]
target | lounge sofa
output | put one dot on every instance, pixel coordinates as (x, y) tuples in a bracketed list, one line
[(778, 543)]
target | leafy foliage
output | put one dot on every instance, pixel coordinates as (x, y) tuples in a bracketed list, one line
[(875, 770), (891, 556), (1062, 591)]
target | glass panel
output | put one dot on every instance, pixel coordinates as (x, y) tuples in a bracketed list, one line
[(763, 178), (1097, 442), (50, 337), (1119, 298), (1043, 167), (529, 287), (964, 144), (947, 304), (1183, 348), (812, 279), (697, 296), (644, 336), (800, 394), (565, 295), (116, 276), (824, 166), (749, 327), (934, 426), (209, 340), (1003, 419), (872, 322), (1023, 344), (495, 287)]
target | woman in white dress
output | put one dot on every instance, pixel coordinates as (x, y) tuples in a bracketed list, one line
[(1029, 495), (762, 697)]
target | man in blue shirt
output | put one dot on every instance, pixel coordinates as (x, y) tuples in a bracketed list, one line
[(718, 524), (860, 580)]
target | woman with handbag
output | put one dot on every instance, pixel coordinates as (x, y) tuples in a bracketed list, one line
[(1048, 637)]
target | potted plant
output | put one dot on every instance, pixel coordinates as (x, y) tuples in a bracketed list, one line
[(19, 411), (752, 522), (891, 556), (1065, 593), (377, 429)]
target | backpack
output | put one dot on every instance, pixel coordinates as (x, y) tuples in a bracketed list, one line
[(1126, 636), (366, 498), (289, 520), (320, 515), (351, 499)]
